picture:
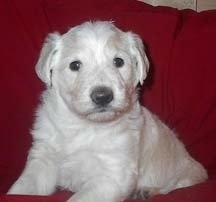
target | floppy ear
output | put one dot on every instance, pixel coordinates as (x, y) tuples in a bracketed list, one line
[(48, 58), (142, 62)]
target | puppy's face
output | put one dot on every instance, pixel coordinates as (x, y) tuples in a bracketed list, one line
[(95, 68)]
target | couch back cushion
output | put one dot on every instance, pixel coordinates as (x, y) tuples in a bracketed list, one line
[(192, 84)]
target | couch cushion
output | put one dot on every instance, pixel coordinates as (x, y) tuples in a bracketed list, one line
[(191, 85), (23, 28), (180, 88)]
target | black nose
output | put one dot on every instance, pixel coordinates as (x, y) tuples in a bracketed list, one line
[(102, 95)]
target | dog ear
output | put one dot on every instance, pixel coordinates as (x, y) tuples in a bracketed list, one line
[(48, 58), (142, 62)]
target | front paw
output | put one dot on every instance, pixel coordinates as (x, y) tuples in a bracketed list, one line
[(144, 193), (31, 187), (21, 188)]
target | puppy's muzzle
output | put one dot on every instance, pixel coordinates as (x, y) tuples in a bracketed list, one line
[(101, 96)]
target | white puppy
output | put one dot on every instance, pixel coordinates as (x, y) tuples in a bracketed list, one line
[(91, 135)]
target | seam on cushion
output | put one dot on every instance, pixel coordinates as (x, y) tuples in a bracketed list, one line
[(169, 99)]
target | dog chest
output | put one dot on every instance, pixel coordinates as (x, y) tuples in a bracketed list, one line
[(93, 153)]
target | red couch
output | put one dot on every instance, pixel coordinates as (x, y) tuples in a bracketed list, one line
[(181, 87)]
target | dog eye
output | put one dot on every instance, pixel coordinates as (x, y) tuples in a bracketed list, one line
[(75, 65), (118, 62)]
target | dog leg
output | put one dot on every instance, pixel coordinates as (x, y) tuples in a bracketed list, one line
[(38, 178), (99, 189)]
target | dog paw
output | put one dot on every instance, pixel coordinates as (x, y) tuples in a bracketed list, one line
[(144, 193)]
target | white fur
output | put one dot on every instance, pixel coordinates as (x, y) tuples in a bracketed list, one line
[(103, 156)]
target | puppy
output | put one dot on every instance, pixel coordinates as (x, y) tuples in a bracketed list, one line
[(91, 136)]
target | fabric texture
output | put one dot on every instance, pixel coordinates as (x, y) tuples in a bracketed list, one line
[(180, 89)]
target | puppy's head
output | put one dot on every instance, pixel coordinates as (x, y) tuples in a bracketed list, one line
[(94, 68)]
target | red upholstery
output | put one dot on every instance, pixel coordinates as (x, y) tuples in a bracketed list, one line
[(181, 87)]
